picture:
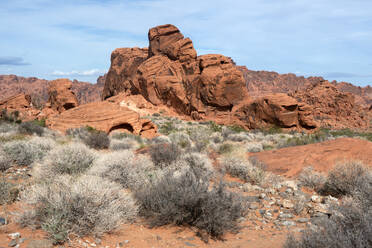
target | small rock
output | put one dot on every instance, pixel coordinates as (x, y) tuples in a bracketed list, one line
[(2, 221), (285, 216), (15, 235), (316, 199), (288, 223), (254, 206), (262, 196), (303, 220), (287, 204), (290, 184), (189, 244), (12, 243)]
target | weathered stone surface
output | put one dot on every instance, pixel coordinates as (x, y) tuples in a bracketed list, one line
[(168, 40), (105, 116), (124, 64), (22, 104), (278, 110), (332, 108), (61, 97)]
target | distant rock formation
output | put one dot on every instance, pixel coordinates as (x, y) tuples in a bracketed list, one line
[(11, 85), (332, 108)]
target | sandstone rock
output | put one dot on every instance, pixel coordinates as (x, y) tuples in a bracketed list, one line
[(332, 108), (168, 40), (105, 116), (20, 103), (274, 110), (221, 83), (61, 97), (124, 64)]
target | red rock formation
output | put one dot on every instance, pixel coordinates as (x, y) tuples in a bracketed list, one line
[(61, 97), (260, 83), (332, 108), (172, 75), (20, 103), (11, 85), (278, 110), (124, 64), (106, 116)]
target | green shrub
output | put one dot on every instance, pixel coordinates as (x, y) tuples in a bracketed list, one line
[(189, 199), (9, 117), (90, 136), (87, 205)]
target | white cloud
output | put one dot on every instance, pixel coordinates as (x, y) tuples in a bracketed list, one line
[(91, 72)]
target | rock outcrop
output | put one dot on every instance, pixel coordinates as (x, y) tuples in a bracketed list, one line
[(106, 116), (278, 110), (21, 104), (169, 73), (332, 108), (61, 97)]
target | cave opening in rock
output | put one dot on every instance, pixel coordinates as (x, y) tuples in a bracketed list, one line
[(124, 127)]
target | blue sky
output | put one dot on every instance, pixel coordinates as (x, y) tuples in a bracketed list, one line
[(74, 38)]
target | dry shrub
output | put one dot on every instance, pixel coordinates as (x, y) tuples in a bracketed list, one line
[(124, 168), (73, 158), (188, 199), (312, 179), (25, 152), (82, 206), (346, 178), (163, 155), (249, 171)]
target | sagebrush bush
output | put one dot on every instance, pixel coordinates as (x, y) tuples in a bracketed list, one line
[(124, 144), (123, 167), (181, 140), (83, 206), (312, 179), (189, 199), (25, 152), (91, 137), (225, 148), (163, 155), (31, 127), (97, 140), (345, 178), (73, 158), (244, 169), (5, 161), (349, 226), (200, 164), (5, 191)]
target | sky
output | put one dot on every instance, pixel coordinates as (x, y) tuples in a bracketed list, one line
[(74, 38)]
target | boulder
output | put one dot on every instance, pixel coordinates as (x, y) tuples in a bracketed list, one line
[(106, 116), (61, 97), (278, 110), (168, 40)]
